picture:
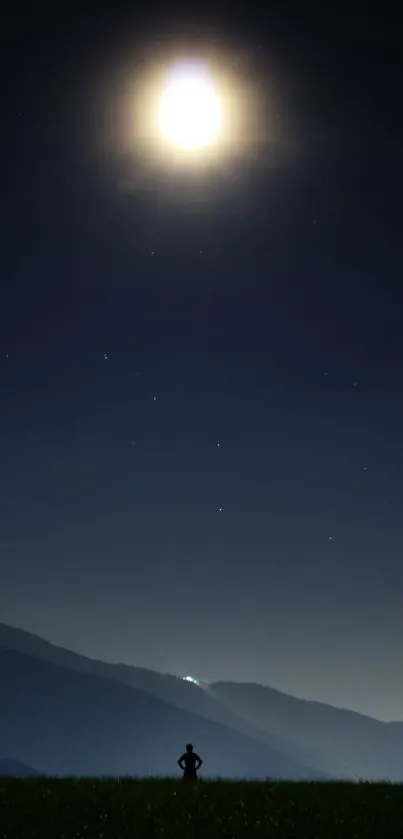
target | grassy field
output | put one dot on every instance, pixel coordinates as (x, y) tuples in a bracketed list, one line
[(118, 808)]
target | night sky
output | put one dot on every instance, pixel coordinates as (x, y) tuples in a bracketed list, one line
[(201, 373)]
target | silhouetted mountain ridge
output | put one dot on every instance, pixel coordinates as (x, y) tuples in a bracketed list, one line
[(170, 688), (10, 768), (346, 742), (70, 722), (306, 738)]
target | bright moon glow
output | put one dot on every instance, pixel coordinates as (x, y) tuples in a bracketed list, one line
[(190, 110)]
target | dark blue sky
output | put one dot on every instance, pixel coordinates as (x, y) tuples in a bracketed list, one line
[(126, 531)]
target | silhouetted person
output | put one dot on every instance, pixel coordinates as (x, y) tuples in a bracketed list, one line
[(190, 763)]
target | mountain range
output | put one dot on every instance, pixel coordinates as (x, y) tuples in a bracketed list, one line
[(67, 714), (10, 768)]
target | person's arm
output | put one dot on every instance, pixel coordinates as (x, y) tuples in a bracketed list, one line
[(199, 762), (180, 762)]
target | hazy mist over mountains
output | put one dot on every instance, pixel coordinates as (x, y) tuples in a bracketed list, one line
[(63, 713)]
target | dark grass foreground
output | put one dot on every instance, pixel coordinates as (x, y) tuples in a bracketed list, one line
[(119, 808)]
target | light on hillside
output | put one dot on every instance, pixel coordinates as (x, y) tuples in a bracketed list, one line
[(191, 680)]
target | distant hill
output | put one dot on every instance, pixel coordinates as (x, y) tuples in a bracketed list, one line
[(15, 769), (344, 742), (306, 738), (69, 722), (170, 688)]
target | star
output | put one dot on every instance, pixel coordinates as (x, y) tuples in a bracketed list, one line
[(152, 253), (217, 444), (105, 356), (367, 468), (221, 509), (355, 384), (154, 398), (330, 538)]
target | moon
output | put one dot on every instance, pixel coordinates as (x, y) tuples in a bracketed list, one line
[(190, 109)]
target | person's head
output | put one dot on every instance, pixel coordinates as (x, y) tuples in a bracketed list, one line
[(189, 747)]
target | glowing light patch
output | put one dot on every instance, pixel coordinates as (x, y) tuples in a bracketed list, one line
[(190, 110), (191, 680)]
